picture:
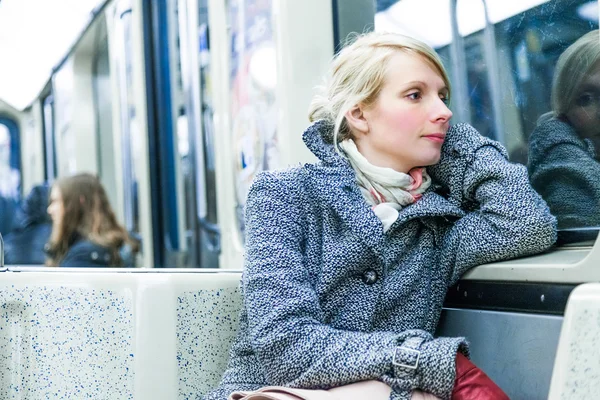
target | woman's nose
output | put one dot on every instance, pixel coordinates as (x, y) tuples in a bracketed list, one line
[(442, 112)]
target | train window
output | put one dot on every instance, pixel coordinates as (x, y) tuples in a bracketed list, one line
[(527, 74), (252, 95), (103, 110), (131, 149), (10, 176)]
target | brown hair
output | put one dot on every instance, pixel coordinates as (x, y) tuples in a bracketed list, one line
[(87, 213)]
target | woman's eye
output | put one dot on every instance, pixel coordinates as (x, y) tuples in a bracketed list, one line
[(445, 99), (584, 100), (414, 96)]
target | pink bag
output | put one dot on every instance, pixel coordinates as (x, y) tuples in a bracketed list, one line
[(373, 390)]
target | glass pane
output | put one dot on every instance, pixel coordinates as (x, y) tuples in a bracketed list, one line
[(532, 82), (131, 147)]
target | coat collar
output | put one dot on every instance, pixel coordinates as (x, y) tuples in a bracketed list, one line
[(333, 182), (317, 138)]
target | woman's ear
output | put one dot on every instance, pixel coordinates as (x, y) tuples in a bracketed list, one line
[(357, 121)]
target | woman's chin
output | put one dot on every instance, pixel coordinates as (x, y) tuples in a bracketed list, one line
[(429, 161)]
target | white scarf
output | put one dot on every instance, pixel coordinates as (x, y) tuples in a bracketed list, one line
[(383, 188)]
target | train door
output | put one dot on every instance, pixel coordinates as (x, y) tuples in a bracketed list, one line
[(195, 133), (172, 140), (131, 158)]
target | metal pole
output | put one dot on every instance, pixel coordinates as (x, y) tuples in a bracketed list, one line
[(461, 106), (493, 72)]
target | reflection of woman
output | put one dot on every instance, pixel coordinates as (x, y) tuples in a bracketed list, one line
[(564, 147), (348, 261), (85, 232)]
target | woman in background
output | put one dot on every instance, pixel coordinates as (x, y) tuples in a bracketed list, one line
[(85, 231)]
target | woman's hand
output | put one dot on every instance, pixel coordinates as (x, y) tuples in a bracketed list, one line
[(458, 154), (418, 395)]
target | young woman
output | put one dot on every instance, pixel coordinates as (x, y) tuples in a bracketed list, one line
[(564, 147), (85, 231), (348, 260)]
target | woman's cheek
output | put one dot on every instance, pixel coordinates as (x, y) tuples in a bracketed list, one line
[(584, 121)]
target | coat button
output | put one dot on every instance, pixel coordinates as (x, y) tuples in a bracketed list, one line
[(94, 255), (369, 277)]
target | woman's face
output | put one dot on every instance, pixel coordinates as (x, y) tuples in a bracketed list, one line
[(584, 115), (407, 124), (56, 208)]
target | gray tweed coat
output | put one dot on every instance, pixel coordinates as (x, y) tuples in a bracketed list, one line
[(329, 299), (565, 171)]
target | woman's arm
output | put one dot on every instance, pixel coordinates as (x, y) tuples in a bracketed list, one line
[(286, 323), (505, 217)]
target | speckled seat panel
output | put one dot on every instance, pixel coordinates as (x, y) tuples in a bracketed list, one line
[(115, 334), (207, 322), (60, 342), (576, 373)]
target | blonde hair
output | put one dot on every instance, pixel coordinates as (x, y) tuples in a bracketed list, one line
[(357, 75), (572, 67)]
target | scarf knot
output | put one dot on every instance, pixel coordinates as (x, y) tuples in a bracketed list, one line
[(385, 189)]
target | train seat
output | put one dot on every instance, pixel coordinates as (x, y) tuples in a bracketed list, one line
[(576, 372), (166, 334)]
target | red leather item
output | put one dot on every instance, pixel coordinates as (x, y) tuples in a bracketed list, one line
[(473, 384)]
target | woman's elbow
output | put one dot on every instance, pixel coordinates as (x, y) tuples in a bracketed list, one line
[(538, 234)]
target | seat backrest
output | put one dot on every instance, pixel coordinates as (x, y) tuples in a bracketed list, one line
[(576, 373), (115, 334)]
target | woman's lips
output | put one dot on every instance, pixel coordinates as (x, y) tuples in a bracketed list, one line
[(436, 137)]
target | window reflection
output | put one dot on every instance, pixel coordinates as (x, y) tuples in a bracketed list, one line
[(504, 57), (563, 152)]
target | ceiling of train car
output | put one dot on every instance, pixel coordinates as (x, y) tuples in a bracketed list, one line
[(35, 35)]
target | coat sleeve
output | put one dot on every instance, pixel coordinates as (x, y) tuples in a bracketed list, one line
[(293, 343), (564, 171), (505, 217)]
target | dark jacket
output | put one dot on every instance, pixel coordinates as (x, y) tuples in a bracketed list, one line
[(86, 254), (330, 299), (32, 228), (8, 207), (564, 170)]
